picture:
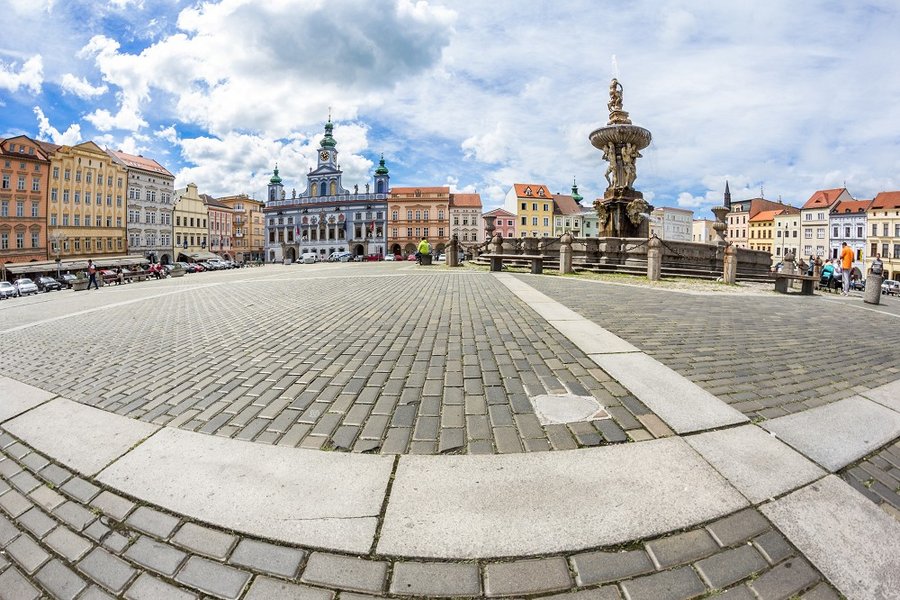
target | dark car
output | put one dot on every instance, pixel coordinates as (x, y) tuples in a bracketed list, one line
[(47, 284), (66, 279)]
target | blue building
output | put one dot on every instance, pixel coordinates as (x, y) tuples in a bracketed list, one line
[(327, 218)]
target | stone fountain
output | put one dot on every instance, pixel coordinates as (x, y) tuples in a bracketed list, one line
[(622, 210)]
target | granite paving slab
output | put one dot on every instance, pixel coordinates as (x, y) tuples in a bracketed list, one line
[(682, 404), (321, 499), (494, 506), (837, 434), (886, 395), (850, 540), (84, 438), (17, 397), (754, 462)]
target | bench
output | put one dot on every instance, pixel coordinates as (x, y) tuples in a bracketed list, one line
[(808, 283), (537, 261)]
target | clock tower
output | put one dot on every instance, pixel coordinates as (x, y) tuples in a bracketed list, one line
[(327, 151)]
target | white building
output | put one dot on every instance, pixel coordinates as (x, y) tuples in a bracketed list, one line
[(150, 204), (465, 218), (787, 234), (670, 223), (702, 231), (848, 223)]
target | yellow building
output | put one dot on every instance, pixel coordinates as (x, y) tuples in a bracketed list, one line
[(249, 228), (86, 208), (883, 220), (761, 230), (190, 225), (533, 205)]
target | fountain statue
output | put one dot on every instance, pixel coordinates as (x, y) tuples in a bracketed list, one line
[(621, 210)]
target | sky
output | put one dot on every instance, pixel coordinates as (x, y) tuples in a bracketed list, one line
[(778, 98)]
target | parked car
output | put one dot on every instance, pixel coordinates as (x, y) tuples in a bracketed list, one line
[(890, 286), (411, 257), (858, 284), (442, 257), (390, 257), (48, 284), (25, 286), (309, 257), (7, 290), (66, 279)]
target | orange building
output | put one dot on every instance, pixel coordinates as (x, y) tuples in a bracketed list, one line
[(417, 212), (249, 226), (25, 169)]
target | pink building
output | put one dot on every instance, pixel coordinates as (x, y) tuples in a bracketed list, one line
[(504, 224), (221, 228)]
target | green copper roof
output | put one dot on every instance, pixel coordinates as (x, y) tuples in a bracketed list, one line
[(328, 141), (381, 170), (575, 195), (276, 180)]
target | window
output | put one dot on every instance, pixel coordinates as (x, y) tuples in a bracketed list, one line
[(20, 209), (425, 215), (55, 172), (67, 174), (88, 177), (21, 185), (53, 220), (4, 241), (35, 239), (441, 233), (835, 232), (546, 221), (524, 221), (896, 250), (874, 229), (65, 220), (409, 214), (20, 240), (859, 231), (418, 215), (534, 221), (77, 220), (820, 233), (87, 197), (77, 175), (35, 184), (409, 232), (77, 197), (425, 232), (534, 206), (6, 182), (394, 216), (441, 214), (524, 206), (546, 207), (884, 231), (35, 207)]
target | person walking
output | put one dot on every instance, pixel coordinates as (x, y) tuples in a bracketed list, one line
[(846, 266), (92, 275)]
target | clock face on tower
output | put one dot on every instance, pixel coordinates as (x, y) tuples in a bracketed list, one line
[(323, 155)]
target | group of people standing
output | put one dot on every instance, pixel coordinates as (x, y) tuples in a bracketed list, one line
[(838, 270)]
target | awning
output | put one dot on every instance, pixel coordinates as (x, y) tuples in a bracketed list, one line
[(77, 264), (195, 256)]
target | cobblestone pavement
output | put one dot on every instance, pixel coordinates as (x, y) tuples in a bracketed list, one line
[(64, 536), (363, 358), (765, 355), (878, 478)]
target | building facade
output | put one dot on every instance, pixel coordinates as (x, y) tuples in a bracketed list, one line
[(327, 218), (25, 169), (221, 228), (670, 223), (533, 205), (150, 202), (86, 210), (416, 213), (702, 231), (465, 218), (567, 213), (815, 217), (883, 221), (590, 223), (249, 227), (190, 229), (848, 225), (504, 222), (787, 234), (738, 219)]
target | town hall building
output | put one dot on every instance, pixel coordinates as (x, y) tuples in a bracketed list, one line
[(326, 217)]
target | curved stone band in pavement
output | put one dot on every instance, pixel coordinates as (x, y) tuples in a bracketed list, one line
[(65, 536)]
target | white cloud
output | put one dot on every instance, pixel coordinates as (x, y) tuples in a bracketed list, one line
[(168, 134), (80, 87), (72, 135), (30, 76), (123, 4)]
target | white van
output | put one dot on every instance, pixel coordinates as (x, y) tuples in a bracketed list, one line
[(309, 257)]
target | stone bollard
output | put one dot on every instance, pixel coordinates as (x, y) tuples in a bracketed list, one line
[(453, 252), (654, 258), (787, 267), (497, 244), (729, 271), (817, 269), (565, 254), (873, 289)]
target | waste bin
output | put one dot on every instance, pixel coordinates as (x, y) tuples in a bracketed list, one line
[(425, 259)]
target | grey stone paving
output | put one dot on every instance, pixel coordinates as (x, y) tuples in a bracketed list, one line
[(382, 359), (877, 477), (766, 356), (135, 551)]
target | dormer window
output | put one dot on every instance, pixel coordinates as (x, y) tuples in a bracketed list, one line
[(541, 192), (528, 191)]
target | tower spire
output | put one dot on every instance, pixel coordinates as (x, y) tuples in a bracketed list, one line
[(727, 197)]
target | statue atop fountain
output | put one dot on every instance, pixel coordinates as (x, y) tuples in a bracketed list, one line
[(622, 208)]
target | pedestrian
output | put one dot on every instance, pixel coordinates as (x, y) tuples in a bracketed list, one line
[(92, 275), (877, 267), (424, 249), (120, 276), (812, 263), (837, 275), (846, 265), (827, 274)]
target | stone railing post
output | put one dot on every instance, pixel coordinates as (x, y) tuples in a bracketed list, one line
[(565, 254), (453, 252), (787, 267), (817, 269), (729, 272), (497, 244), (654, 258)]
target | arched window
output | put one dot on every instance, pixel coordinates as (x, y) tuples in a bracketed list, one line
[(333, 188), (323, 189), (379, 187)]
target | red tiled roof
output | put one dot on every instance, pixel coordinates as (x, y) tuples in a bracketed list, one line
[(566, 205), (851, 206), (823, 198), (498, 212), (465, 201), (48, 147), (535, 190), (139, 162), (765, 215), (426, 191), (885, 200)]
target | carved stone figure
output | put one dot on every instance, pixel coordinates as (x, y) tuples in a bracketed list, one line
[(283, 194), (367, 188), (611, 174), (635, 208), (630, 155), (293, 192), (355, 188), (615, 96)]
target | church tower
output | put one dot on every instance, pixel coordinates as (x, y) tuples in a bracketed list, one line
[(276, 189), (382, 179)]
